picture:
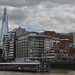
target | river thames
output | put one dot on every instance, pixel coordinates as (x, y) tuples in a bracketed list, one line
[(53, 72)]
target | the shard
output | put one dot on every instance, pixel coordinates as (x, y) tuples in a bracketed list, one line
[(4, 29)]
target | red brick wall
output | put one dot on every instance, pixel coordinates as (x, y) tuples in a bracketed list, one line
[(53, 34), (50, 33), (65, 45)]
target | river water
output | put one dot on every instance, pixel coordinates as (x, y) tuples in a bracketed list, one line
[(53, 72)]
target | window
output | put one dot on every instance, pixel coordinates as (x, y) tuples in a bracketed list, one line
[(51, 34)]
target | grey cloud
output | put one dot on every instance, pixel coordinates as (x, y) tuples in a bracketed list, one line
[(13, 15), (20, 3), (61, 21), (17, 15), (60, 17), (1, 13), (63, 1)]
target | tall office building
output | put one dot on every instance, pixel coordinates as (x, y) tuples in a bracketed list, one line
[(9, 44), (8, 53), (4, 29)]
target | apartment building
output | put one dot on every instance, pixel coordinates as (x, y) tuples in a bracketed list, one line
[(67, 40), (32, 46), (22, 48), (55, 43), (56, 54)]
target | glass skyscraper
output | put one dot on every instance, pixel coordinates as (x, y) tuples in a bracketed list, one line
[(4, 29)]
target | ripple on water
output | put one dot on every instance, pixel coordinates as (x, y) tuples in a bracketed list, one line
[(53, 72)]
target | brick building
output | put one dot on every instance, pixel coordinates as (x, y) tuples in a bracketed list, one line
[(72, 53), (65, 45), (60, 35), (57, 54), (66, 39)]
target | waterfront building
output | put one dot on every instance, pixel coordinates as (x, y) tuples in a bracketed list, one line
[(5, 47), (60, 44), (4, 28), (35, 46), (50, 55), (12, 46), (8, 53), (56, 54), (59, 49), (72, 53), (32, 46), (60, 35), (55, 43), (9, 45), (66, 39), (65, 45)]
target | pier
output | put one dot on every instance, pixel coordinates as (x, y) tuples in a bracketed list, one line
[(45, 66), (20, 66), (26, 66)]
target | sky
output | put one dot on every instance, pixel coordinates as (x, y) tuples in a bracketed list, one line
[(40, 15)]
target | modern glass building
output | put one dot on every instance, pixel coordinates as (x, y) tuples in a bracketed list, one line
[(4, 29), (9, 47), (9, 44)]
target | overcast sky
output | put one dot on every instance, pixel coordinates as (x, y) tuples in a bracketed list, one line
[(56, 15)]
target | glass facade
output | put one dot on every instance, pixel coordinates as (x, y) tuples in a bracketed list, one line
[(9, 46), (4, 29)]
